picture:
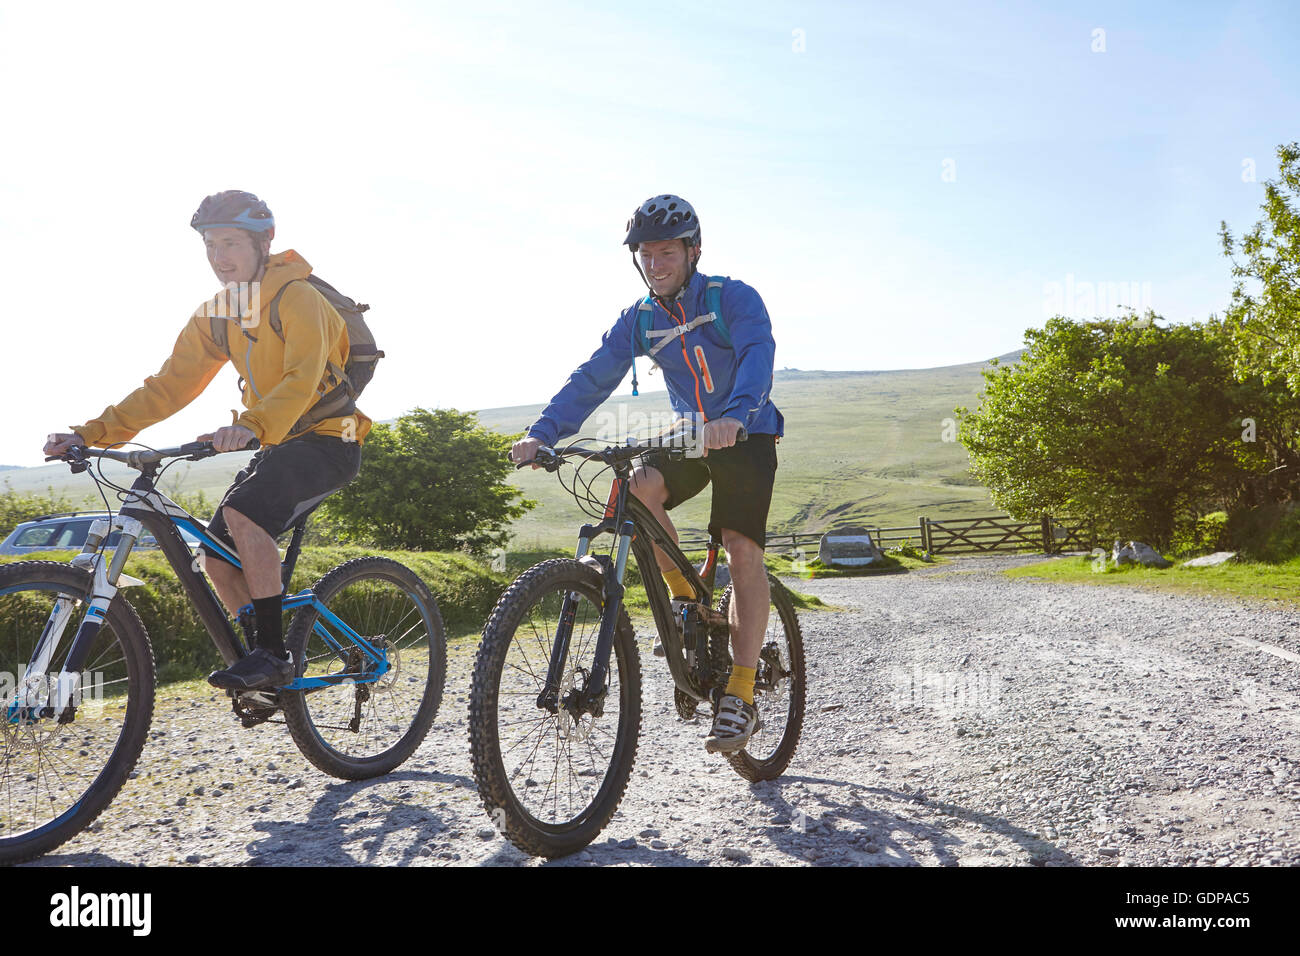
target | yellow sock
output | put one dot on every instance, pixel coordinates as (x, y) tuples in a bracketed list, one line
[(742, 683), (678, 586)]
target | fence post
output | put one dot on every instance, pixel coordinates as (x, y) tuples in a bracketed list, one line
[(1047, 534), (925, 534)]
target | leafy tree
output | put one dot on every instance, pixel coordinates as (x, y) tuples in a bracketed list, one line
[(432, 481), (1265, 313), (1127, 423)]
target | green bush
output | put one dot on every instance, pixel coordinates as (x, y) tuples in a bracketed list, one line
[(1208, 533), (1269, 533), (433, 480)]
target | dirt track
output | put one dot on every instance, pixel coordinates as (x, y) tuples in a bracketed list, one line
[(955, 717)]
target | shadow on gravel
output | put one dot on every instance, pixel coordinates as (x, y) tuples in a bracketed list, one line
[(602, 854), (845, 832), (322, 839), (826, 829), (78, 859)]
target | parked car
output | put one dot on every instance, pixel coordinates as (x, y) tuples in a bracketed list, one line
[(67, 532)]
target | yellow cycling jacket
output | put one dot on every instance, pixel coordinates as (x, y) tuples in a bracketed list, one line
[(282, 379)]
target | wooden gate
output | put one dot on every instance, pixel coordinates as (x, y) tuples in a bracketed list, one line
[(1002, 533)]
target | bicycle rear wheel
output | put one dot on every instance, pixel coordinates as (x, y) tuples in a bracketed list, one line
[(56, 777), (779, 689), (360, 726), (551, 780)]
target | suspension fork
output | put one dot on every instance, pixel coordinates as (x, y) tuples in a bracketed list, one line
[(65, 687), (613, 592)]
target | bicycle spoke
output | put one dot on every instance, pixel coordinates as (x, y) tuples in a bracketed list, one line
[(356, 730), (57, 776)]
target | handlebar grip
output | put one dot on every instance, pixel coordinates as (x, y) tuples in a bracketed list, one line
[(544, 458), (742, 434), (204, 449)]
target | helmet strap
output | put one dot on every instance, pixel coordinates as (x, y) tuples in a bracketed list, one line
[(690, 271), (637, 265)]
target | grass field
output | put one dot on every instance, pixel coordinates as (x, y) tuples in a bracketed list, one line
[(860, 447), (1249, 580)]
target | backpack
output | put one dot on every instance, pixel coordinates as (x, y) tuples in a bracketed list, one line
[(349, 381), (643, 337)]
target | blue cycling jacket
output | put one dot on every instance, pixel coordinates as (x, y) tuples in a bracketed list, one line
[(703, 375)]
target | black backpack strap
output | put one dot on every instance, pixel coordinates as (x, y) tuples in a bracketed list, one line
[(276, 325)]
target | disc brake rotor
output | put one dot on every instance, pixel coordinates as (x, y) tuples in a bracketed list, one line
[(571, 726), (773, 673)]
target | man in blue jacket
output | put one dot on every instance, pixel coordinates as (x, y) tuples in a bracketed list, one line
[(721, 378)]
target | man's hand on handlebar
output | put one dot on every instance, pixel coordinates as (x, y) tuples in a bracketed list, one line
[(720, 433), (230, 438), (58, 443), (524, 451)]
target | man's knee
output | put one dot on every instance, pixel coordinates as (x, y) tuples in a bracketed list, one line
[(743, 552), (234, 519), (648, 485)]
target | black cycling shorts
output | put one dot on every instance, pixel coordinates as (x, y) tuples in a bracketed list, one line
[(742, 477), (281, 483)]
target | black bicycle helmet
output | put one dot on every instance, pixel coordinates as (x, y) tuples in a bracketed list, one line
[(663, 217), (234, 209)]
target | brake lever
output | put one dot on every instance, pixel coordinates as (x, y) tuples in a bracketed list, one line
[(74, 456), (551, 463)]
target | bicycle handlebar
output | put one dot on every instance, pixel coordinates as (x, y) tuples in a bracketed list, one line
[(77, 455), (550, 459)]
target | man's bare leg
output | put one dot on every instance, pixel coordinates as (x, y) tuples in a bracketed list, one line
[(650, 489), (260, 575), (750, 597), (257, 583)]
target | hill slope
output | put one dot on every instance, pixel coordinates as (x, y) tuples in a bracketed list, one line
[(860, 447)]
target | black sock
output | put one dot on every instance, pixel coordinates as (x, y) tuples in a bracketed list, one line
[(270, 635)]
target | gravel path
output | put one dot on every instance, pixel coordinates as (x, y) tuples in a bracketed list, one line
[(955, 717)]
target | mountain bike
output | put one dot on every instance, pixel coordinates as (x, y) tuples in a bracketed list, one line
[(77, 668), (555, 702)]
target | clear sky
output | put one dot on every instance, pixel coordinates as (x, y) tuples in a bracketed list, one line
[(906, 185)]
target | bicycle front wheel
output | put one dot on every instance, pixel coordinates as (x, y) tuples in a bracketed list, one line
[(550, 777), (779, 690), (363, 723), (58, 772)]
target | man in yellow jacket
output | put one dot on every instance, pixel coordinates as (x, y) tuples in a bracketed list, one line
[(284, 373)]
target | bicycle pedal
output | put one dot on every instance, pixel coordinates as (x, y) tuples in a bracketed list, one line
[(687, 706), (253, 707)]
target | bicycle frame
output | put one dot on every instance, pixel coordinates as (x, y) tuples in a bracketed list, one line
[(148, 509), (637, 531)]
